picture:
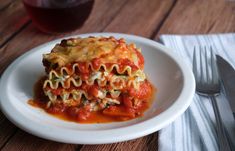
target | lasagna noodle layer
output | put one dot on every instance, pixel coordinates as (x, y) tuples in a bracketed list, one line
[(66, 77), (77, 95)]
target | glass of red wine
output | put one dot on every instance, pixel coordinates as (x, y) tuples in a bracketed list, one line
[(58, 16)]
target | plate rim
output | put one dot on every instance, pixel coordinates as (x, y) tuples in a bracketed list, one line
[(187, 92)]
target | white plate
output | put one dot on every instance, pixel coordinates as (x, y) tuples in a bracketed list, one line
[(172, 78)]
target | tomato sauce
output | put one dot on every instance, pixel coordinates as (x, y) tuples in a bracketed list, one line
[(126, 62), (122, 112)]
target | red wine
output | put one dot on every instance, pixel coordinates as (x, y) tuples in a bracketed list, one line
[(56, 16)]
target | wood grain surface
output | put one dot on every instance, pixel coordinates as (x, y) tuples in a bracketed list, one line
[(200, 17), (13, 19), (147, 18)]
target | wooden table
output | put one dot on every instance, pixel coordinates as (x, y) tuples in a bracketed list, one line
[(147, 18)]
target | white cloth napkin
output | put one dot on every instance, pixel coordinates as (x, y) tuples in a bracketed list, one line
[(195, 130)]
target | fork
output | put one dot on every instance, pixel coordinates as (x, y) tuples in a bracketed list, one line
[(208, 85)]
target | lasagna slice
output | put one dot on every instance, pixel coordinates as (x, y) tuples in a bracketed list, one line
[(96, 75)]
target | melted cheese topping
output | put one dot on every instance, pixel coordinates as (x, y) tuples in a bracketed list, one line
[(108, 50)]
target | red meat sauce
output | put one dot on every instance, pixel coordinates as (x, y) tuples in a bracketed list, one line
[(124, 111)]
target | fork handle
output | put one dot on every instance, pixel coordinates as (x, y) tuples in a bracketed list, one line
[(223, 141)]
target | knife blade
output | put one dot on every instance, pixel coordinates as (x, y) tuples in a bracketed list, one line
[(227, 75)]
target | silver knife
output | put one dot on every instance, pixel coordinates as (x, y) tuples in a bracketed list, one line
[(227, 74)]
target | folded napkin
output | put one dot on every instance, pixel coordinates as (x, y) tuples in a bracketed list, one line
[(195, 130)]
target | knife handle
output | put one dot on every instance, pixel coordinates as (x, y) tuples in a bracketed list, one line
[(222, 139)]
